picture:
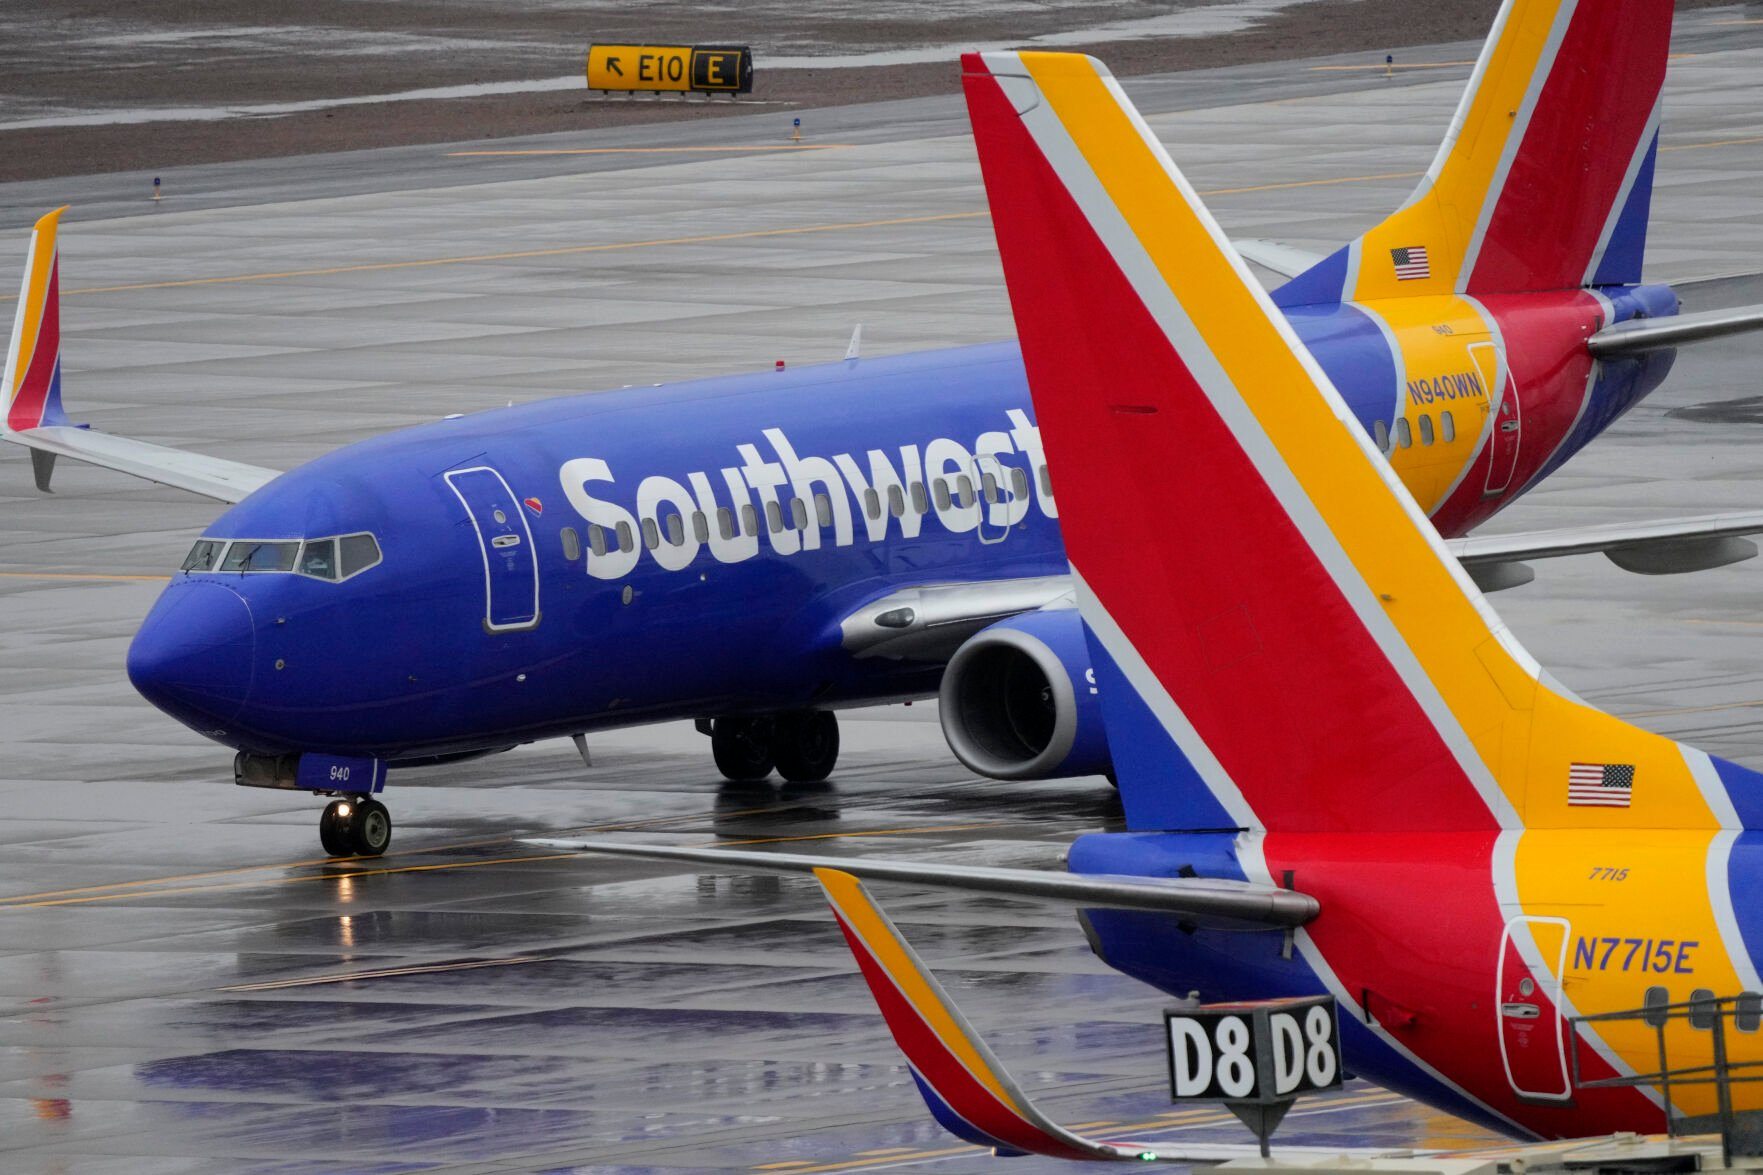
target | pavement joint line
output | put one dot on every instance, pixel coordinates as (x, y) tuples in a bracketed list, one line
[(745, 234), (654, 150), (382, 973), (1388, 66), (80, 575)]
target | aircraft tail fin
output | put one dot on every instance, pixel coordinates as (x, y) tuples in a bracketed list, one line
[(1544, 180), (967, 1090), (1272, 599), (33, 358)]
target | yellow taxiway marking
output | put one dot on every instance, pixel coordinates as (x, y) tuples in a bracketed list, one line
[(124, 890), (1741, 20), (1387, 65), (382, 973), (521, 254), (876, 1153), (79, 575), (1201, 1118), (653, 150), (1711, 143), (788, 1163), (714, 238)]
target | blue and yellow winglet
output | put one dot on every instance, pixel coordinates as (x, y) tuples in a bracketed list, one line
[(967, 1090)]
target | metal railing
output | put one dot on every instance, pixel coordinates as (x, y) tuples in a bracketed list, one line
[(1741, 1131)]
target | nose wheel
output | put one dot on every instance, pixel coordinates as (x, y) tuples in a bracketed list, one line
[(355, 826)]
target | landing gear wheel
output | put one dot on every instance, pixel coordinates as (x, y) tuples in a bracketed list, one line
[(333, 829), (371, 828), (742, 747), (806, 745)]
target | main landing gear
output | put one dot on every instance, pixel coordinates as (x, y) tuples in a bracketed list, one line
[(355, 826), (802, 746)]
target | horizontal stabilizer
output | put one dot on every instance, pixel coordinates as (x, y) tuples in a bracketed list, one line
[(1283, 259), (1651, 334), (212, 477), (1198, 897)]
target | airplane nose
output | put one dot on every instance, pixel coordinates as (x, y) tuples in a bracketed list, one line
[(194, 655)]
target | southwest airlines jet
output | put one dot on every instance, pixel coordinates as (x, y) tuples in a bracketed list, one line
[(757, 551), (1322, 730)]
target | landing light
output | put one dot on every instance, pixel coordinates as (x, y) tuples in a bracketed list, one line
[(343, 809)]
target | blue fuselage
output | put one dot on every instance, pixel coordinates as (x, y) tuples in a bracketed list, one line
[(654, 553)]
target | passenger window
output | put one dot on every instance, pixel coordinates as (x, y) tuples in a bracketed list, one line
[(318, 558), (1653, 1006), (774, 516), (798, 514), (203, 556), (896, 502), (627, 540), (989, 485), (597, 539), (920, 503), (1747, 1011), (1701, 1008), (964, 491), (260, 556), (572, 544), (725, 522), (1426, 428), (676, 531), (872, 503), (700, 526), (1380, 432), (940, 492), (749, 519), (651, 534), (823, 509), (1404, 435), (1019, 482), (1447, 426), (359, 552), (1046, 482)]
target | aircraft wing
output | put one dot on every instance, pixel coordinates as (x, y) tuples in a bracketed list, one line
[(1651, 334), (32, 388), (1663, 547), (1198, 897), (212, 477), (1283, 259)]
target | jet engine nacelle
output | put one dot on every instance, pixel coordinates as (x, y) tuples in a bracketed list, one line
[(1019, 701)]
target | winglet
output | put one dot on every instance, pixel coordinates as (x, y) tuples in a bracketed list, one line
[(33, 359), (967, 1090)]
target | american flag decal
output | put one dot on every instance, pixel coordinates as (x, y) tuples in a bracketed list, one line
[(1600, 785), (1411, 263)]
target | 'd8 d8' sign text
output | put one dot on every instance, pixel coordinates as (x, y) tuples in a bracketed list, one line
[(1265, 1051), (700, 69)]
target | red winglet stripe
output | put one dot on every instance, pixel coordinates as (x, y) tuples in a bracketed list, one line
[(33, 391)]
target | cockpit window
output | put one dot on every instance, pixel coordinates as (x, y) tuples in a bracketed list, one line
[(360, 551), (252, 555), (329, 559), (204, 555), (318, 558)]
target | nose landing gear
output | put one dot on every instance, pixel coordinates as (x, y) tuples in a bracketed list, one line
[(355, 826)]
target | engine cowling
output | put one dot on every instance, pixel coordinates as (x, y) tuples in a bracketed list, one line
[(1018, 700)]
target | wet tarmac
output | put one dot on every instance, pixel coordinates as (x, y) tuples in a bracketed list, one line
[(186, 985)]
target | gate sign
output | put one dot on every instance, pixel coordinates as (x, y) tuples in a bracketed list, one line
[(1264, 1051), (681, 69)]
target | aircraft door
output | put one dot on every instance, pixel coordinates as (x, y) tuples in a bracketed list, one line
[(991, 481), (1508, 423), (511, 565), (1527, 1004)]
